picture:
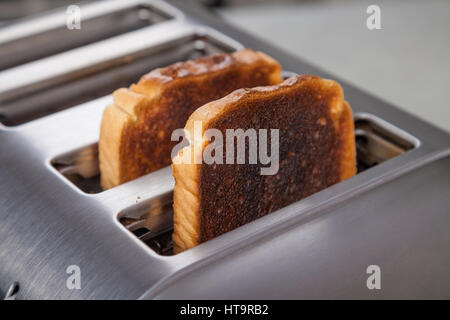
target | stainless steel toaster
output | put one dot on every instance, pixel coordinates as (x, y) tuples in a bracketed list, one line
[(55, 83)]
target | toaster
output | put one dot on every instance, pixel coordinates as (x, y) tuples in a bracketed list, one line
[(57, 224)]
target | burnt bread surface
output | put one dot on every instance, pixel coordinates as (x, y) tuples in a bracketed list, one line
[(316, 150), (135, 134)]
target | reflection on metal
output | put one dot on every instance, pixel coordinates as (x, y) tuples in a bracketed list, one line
[(12, 292)]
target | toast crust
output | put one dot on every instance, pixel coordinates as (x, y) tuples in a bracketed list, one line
[(317, 149), (135, 135)]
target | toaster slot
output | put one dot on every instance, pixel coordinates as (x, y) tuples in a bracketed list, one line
[(102, 79), (81, 168), (93, 29), (376, 141), (152, 222)]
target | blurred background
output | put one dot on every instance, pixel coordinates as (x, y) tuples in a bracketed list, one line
[(407, 62)]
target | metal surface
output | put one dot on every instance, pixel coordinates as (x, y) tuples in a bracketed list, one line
[(325, 254), (100, 20), (53, 214)]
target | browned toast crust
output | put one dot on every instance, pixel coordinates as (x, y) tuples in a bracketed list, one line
[(136, 129), (317, 149)]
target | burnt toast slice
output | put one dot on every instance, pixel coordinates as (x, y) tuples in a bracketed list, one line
[(316, 150), (135, 134)]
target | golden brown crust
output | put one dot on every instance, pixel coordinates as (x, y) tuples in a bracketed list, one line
[(317, 149), (135, 138), (348, 168)]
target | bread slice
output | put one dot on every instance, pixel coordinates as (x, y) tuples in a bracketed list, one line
[(135, 135), (316, 150)]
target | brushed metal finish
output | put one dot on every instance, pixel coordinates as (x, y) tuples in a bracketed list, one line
[(47, 223), (48, 34), (40, 93), (325, 255)]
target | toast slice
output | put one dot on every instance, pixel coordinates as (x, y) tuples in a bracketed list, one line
[(135, 134), (316, 150)]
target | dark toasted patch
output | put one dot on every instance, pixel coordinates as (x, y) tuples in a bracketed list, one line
[(311, 153)]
